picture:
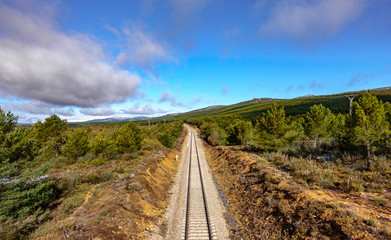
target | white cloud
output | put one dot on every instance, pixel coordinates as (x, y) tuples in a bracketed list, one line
[(168, 97), (39, 62), (141, 49), (65, 112), (33, 107), (363, 78), (99, 111), (37, 108), (306, 20), (143, 110)]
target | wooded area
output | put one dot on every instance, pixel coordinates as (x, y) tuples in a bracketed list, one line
[(30, 153)]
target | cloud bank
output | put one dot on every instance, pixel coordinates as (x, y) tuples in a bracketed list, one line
[(307, 20), (40, 62), (140, 49), (99, 111), (143, 110), (168, 97)]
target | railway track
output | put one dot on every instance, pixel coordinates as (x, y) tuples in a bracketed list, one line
[(197, 223)]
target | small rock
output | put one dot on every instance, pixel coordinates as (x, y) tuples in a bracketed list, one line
[(132, 175)]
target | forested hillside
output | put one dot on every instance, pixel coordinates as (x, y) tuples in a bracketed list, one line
[(360, 140), (271, 163), (48, 168), (253, 109)]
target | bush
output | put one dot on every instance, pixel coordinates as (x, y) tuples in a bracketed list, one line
[(97, 161), (308, 170), (240, 133), (127, 139), (371, 222), (214, 134), (168, 133), (72, 202), (77, 143), (53, 127), (7, 122), (166, 138), (17, 144), (107, 176), (22, 198), (100, 143), (151, 144)]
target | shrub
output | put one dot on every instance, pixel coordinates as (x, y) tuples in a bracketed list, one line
[(52, 127), (97, 161), (17, 144), (379, 200), (371, 222), (77, 143), (166, 138), (127, 139), (151, 144), (168, 133), (100, 143), (22, 199), (7, 122), (72, 202), (107, 176), (240, 133)]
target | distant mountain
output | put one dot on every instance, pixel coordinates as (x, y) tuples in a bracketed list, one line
[(193, 111), (208, 108), (167, 115), (141, 118), (382, 89), (117, 119), (252, 108), (305, 96), (264, 100)]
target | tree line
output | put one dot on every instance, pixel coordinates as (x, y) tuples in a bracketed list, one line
[(28, 152), (364, 133)]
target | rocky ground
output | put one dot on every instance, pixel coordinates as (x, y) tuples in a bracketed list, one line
[(128, 207), (269, 204)]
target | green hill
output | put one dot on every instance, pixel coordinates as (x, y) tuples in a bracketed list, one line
[(337, 103)]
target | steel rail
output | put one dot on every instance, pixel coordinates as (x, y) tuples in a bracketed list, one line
[(187, 231), (203, 191), (188, 190)]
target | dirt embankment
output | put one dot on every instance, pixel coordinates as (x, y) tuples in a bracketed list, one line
[(269, 204), (125, 208)]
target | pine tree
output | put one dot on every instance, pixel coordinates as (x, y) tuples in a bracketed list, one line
[(318, 122), (274, 122), (8, 122), (272, 128), (368, 122)]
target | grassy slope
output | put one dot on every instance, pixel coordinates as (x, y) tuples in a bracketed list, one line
[(337, 103)]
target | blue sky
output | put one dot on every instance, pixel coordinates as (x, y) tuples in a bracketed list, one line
[(94, 59)]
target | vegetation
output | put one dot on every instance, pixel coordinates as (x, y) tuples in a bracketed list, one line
[(320, 173), (313, 139), (317, 146), (33, 160)]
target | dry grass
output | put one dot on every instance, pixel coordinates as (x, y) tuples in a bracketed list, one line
[(277, 197)]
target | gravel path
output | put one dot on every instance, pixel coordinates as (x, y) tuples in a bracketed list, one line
[(174, 221)]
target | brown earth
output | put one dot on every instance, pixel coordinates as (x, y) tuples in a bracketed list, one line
[(125, 208), (269, 204)]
